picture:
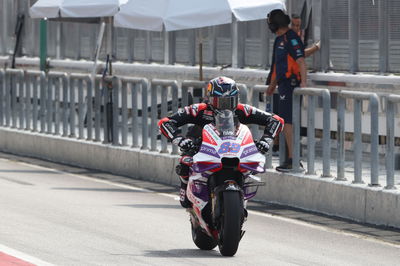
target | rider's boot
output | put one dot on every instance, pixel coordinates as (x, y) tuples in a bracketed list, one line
[(183, 171), (185, 203)]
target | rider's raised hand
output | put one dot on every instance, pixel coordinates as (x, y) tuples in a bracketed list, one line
[(264, 144)]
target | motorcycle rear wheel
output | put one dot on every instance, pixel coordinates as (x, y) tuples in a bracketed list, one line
[(231, 223), (202, 240)]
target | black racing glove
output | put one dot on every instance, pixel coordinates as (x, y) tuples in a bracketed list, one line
[(264, 144), (184, 143)]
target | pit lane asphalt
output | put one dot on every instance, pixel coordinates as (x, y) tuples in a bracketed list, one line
[(71, 216)]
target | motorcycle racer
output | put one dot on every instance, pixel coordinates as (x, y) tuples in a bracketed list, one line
[(222, 93)]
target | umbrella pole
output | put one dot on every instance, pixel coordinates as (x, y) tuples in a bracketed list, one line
[(98, 48), (201, 61), (200, 55)]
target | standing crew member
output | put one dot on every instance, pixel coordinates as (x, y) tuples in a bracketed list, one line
[(288, 71)]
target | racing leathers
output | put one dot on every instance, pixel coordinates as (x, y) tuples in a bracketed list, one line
[(202, 114)]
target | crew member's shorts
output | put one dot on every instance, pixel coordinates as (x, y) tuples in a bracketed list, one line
[(285, 104)]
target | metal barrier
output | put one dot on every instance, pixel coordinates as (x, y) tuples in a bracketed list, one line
[(186, 86), (37, 108), (79, 80), (58, 82), (133, 85), (75, 106), (374, 101), (15, 79), (255, 99), (2, 96), (163, 85), (326, 98), (391, 102)]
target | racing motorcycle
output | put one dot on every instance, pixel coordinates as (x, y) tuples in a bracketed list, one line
[(220, 183)]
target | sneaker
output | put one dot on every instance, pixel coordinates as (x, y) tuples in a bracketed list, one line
[(287, 166)]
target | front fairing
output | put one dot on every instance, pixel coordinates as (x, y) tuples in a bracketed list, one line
[(216, 146)]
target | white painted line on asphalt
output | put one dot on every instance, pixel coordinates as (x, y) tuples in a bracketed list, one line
[(262, 214), (322, 228), (89, 178), (22, 256)]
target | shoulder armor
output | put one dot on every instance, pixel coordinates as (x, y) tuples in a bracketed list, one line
[(245, 108), (196, 108)]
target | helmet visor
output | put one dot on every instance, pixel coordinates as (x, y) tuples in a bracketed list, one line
[(224, 103)]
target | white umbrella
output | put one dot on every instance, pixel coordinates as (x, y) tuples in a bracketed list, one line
[(156, 15), (45, 9), (75, 8), (188, 14)]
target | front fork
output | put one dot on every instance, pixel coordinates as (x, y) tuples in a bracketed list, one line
[(218, 203)]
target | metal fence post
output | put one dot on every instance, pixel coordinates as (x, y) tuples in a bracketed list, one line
[(145, 114), (35, 100), (174, 107), (80, 110), (310, 135), (89, 110), (374, 104), (243, 93), (255, 102), (57, 106), (15, 78), (61, 113), (255, 128), (340, 138), (49, 106), (116, 90), (72, 107), (107, 135), (326, 147), (97, 107), (269, 108), (326, 138), (28, 105), (2, 96), (153, 132), (163, 84), (21, 100), (134, 113), (390, 131), (32, 98), (296, 130), (185, 86), (357, 143), (124, 112), (7, 91)]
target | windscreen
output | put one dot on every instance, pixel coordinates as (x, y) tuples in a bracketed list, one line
[(225, 123)]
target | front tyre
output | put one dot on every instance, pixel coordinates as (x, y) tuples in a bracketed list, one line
[(202, 240), (230, 223)]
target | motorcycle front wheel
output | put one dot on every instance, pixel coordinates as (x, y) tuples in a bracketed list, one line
[(230, 223)]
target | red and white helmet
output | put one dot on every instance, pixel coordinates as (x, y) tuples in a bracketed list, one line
[(223, 94)]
